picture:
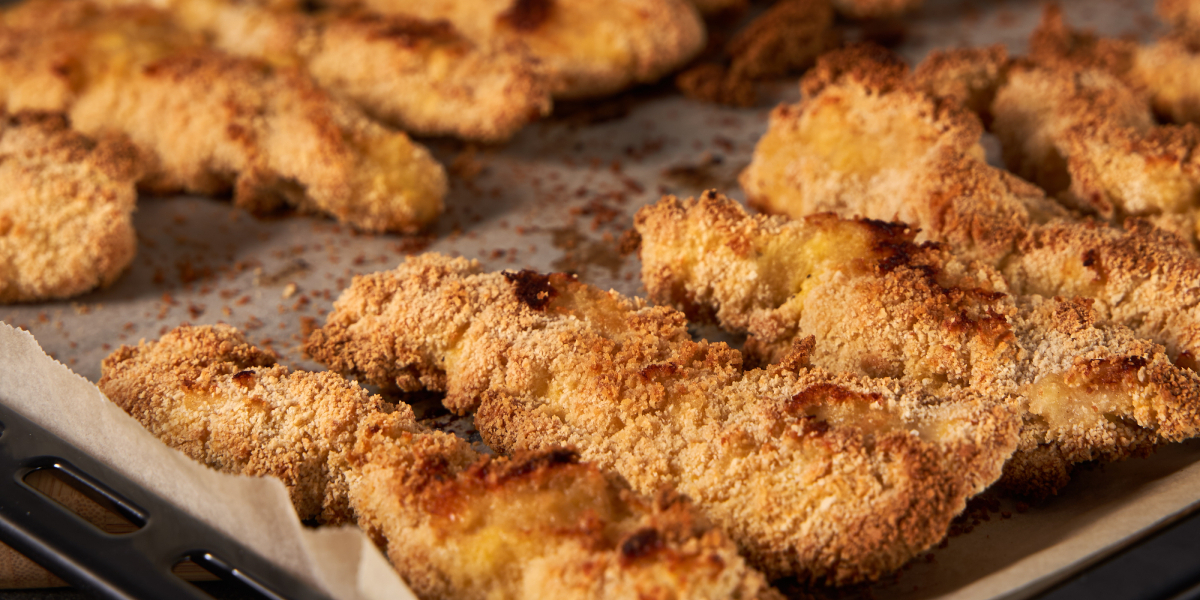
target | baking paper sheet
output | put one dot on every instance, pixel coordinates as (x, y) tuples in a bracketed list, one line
[(558, 197), (256, 511)]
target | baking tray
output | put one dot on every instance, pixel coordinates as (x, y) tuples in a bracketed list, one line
[(557, 198)]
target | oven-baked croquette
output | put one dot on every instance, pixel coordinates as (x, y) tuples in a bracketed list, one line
[(66, 209), (867, 141), (208, 122), (881, 306), (424, 77), (454, 523), (586, 48), (828, 477)]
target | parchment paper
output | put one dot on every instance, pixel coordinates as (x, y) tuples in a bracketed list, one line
[(256, 511), (558, 197)]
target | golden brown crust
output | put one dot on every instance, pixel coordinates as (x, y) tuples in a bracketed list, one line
[(587, 49), (1075, 119), (879, 305), (548, 361), (423, 77), (867, 141), (786, 37), (1139, 276), (968, 76), (223, 402), (66, 208), (453, 523), (268, 133)]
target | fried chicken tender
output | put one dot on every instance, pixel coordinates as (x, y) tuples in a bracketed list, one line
[(66, 209), (454, 523), (866, 141), (881, 306), (827, 477), (206, 122), (876, 9), (720, 7), (423, 77), (1076, 120), (586, 48)]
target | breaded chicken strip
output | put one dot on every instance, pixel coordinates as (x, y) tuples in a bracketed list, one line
[(455, 524), (587, 48), (826, 477), (206, 122), (66, 209), (881, 306), (1076, 120), (866, 141), (424, 77)]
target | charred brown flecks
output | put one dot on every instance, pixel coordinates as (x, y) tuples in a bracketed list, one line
[(532, 288), (526, 15)]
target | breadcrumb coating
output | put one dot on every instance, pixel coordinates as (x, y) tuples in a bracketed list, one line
[(878, 305), (968, 76), (455, 524), (423, 77), (1139, 276), (206, 122), (66, 209), (1076, 119), (866, 141), (827, 477), (586, 48)]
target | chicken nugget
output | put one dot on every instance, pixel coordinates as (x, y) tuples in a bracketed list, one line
[(208, 122), (826, 477), (455, 524), (66, 209)]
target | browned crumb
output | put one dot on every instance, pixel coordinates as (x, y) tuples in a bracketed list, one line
[(454, 524), (66, 209), (267, 133), (828, 477), (586, 49), (881, 306)]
